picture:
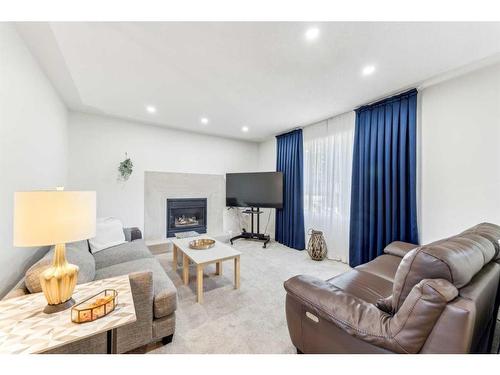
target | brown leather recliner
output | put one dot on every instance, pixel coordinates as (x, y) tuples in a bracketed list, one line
[(437, 298)]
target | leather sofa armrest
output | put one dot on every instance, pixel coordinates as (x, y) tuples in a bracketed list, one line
[(399, 248), (404, 332), (132, 233)]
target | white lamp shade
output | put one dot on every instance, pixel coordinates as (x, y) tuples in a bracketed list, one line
[(43, 218)]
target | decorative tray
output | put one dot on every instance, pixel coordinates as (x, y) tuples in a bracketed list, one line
[(95, 307), (202, 244)]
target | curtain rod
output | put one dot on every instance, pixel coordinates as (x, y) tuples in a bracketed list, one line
[(382, 98), (288, 131), (352, 110), (313, 123)]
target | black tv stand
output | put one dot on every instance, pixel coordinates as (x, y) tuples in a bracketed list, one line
[(253, 235)]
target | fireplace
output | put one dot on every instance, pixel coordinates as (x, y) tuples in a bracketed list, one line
[(186, 214)]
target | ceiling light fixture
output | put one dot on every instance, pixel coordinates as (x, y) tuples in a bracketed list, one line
[(244, 129), (204, 120), (151, 109), (312, 33), (369, 69)]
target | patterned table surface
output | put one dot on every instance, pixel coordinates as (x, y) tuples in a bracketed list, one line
[(25, 328)]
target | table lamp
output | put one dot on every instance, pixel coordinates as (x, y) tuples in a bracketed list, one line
[(45, 218)]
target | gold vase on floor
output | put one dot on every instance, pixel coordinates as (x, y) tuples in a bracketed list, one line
[(59, 281)]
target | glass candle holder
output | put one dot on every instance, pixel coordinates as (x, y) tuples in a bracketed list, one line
[(95, 307)]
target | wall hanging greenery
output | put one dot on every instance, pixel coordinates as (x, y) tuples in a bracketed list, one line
[(125, 168)]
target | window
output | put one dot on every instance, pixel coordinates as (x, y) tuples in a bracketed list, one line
[(328, 148)]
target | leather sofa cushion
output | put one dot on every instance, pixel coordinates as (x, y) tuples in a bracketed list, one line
[(164, 291), (404, 332), (490, 232), (384, 266), (364, 285), (77, 253), (456, 259), (122, 253), (399, 248)]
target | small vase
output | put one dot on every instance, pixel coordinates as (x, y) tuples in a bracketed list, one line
[(316, 246)]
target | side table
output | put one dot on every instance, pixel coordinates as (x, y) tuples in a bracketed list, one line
[(25, 328)]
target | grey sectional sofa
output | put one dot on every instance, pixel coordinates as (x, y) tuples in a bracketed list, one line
[(155, 296)]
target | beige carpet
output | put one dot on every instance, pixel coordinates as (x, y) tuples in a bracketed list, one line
[(249, 320)]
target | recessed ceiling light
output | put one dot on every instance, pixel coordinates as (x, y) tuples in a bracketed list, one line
[(244, 129), (204, 120), (369, 69), (312, 33), (151, 109)]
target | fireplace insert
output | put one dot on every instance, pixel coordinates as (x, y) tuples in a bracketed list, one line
[(186, 214)]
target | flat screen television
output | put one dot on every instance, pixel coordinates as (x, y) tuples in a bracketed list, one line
[(259, 189)]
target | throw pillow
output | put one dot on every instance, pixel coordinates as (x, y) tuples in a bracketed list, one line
[(109, 233), (32, 276), (76, 253)]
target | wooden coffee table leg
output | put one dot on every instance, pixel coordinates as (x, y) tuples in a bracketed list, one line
[(185, 269), (199, 282), (175, 259), (237, 272), (218, 268)]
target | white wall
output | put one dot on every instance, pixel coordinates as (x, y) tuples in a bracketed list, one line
[(460, 153), (33, 142), (267, 155), (267, 163), (97, 144)]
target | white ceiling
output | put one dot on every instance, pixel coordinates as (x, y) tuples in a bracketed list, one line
[(266, 76)]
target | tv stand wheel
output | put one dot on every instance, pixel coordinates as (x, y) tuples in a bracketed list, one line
[(266, 241)]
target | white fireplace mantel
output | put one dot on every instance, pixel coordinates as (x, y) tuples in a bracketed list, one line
[(158, 186)]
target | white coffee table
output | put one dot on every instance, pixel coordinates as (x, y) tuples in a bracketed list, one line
[(217, 254)]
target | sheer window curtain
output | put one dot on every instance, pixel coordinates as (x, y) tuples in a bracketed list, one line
[(328, 148)]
